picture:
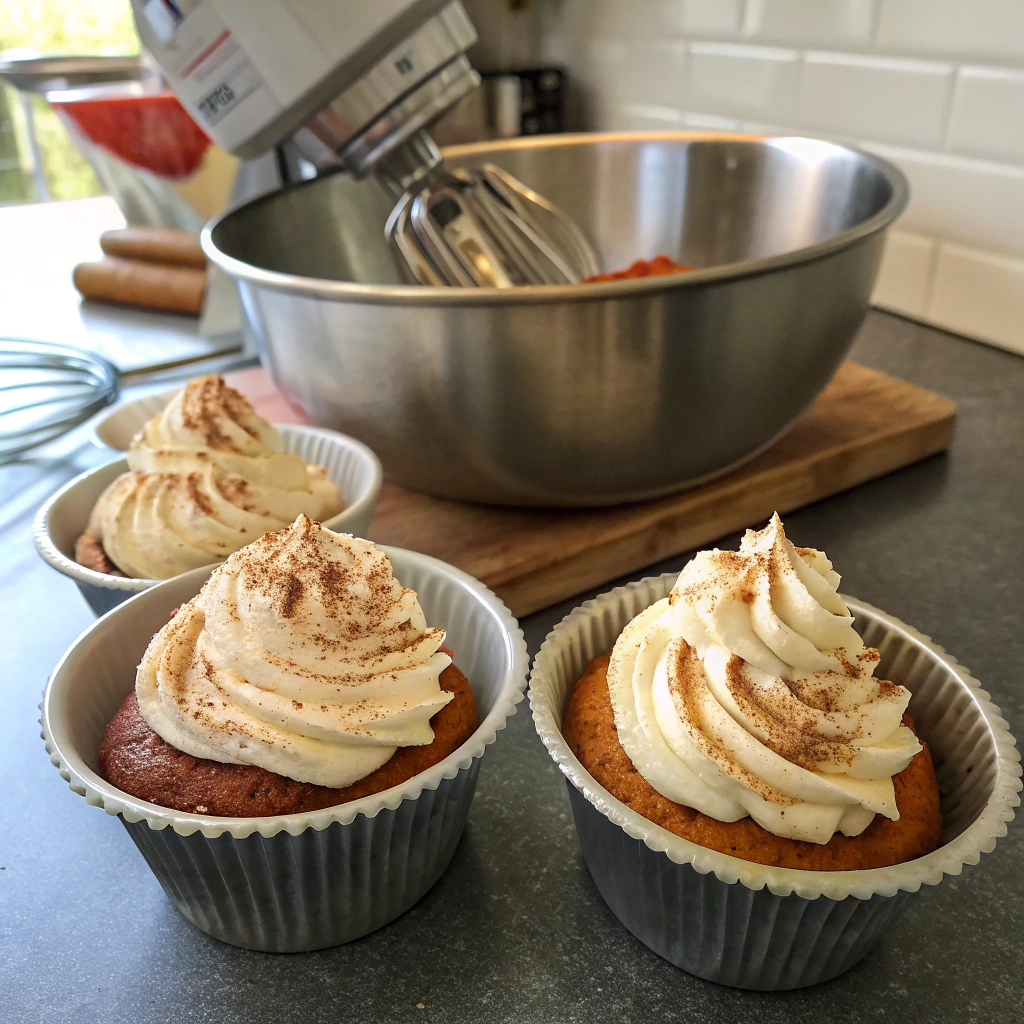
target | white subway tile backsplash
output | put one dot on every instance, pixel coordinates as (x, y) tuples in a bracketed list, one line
[(636, 117), (966, 28), (635, 19), (707, 17), (896, 100), (709, 123), (645, 19), (970, 201), (595, 81), (760, 128), (601, 70), (988, 114), (904, 280), (980, 295), (642, 117), (654, 73), (936, 86), (846, 23), (649, 19), (740, 80), (608, 51)]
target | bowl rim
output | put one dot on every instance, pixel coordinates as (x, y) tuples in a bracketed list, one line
[(979, 837), (51, 554), (98, 792), (423, 295), (97, 422)]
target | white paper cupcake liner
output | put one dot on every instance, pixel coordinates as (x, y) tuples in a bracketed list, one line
[(63, 518), (304, 881), (751, 925)]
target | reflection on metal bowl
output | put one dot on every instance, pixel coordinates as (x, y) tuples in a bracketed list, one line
[(589, 394)]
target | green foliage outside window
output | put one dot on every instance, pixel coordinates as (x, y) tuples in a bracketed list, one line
[(54, 27)]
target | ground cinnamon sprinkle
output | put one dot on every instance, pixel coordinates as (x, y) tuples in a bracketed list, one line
[(205, 400), (292, 587), (684, 683), (233, 487), (287, 566), (201, 501)]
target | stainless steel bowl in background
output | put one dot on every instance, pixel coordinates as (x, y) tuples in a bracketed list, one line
[(585, 394)]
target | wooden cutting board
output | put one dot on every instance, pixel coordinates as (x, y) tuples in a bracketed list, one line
[(864, 425)]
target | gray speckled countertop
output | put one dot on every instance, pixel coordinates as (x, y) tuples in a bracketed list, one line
[(515, 931)]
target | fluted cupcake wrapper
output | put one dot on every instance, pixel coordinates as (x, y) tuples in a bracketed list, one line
[(750, 925), (722, 931), (301, 881), (63, 518), (338, 884)]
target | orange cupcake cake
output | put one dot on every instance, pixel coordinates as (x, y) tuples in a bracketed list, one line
[(742, 713)]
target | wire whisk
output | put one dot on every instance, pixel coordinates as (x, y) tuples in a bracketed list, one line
[(47, 390), (484, 228)]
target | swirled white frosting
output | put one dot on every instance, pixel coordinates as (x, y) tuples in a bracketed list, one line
[(301, 654), (206, 415), (207, 476), (748, 691)]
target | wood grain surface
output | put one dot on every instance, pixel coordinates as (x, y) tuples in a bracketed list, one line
[(864, 425)]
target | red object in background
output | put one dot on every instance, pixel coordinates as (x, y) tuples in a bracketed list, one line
[(642, 268), (152, 132)]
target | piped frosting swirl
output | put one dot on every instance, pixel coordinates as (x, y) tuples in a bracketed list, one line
[(301, 654), (207, 476), (748, 691)]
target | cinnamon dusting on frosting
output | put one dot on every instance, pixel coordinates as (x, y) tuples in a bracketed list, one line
[(685, 683), (200, 500), (206, 401), (747, 690), (303, 655), (208, 475)]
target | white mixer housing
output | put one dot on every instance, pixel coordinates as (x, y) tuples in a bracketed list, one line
[(351, 80)]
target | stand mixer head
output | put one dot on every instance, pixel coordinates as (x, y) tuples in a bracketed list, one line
[(355, 86)]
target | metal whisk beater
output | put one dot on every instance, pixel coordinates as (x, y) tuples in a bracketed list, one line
[(47, 390), (485, 228)]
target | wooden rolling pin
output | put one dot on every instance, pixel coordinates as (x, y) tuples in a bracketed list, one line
[(163, 286), (154, 245)]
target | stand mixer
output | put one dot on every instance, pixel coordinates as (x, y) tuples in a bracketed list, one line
[(355, 85)]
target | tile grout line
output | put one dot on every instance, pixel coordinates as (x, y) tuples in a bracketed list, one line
[(947, 136)]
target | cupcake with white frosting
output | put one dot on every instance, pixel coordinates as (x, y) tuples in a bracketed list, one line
[(285, 736), (752, 799), (303, 675), (742, 712), (207, 476)]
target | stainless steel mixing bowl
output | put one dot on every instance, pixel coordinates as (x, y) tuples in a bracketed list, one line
[(584, 394)]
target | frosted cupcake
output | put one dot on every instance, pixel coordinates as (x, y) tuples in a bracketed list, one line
[(742, 712), (206, 476), (285, 736), (751, 798), (303, 675)]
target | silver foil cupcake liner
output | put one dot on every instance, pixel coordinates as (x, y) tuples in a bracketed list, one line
[(750, 925), (338, 884), (63, 518), (305, 881)]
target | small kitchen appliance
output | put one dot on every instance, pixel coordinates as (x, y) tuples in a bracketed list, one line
[(356, 86)]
